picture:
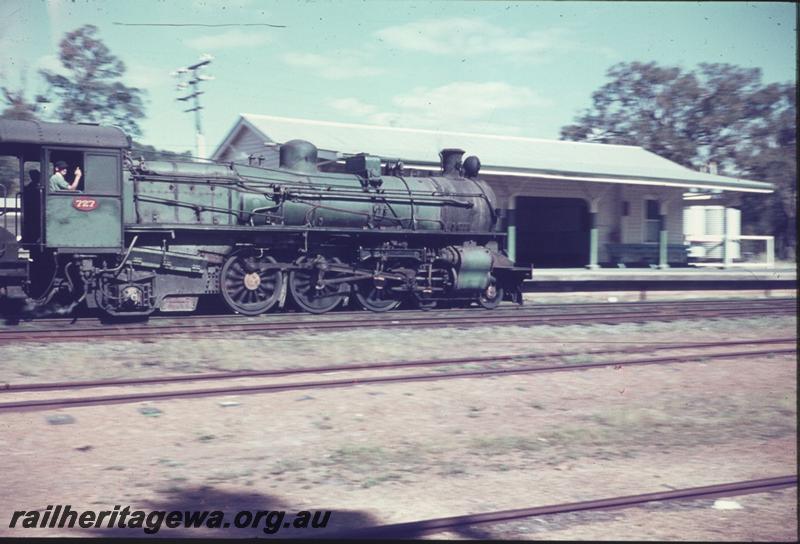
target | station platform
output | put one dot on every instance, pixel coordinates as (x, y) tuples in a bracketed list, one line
[(650, 279)]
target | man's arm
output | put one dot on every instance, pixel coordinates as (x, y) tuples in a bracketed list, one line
[(74, 185), (57, 183)]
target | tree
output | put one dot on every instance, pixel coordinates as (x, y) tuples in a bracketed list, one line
[(17, 108), (90, 90), (717, 112), (151, 153)]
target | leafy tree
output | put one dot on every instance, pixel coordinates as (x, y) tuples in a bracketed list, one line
[(17, 108), (150, 153), (717, 112), (90, 90)]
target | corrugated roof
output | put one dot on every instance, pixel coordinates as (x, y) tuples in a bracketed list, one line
[(498, 154)]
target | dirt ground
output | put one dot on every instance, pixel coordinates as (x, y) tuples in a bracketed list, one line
[(376, 454)]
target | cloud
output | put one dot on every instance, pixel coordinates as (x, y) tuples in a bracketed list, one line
[(461, 106), (465, 36), (344, 65), (230, 6), (353, 106), (146, 77), (51, 63), (471, 99), (228, 39)]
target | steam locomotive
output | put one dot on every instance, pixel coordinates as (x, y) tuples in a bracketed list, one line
[(143, 236)]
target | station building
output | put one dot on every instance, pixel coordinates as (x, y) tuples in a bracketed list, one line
[(565, 204)]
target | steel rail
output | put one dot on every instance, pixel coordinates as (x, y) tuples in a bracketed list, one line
[(85, 384), (406, 313), (366, 318), (419, 528), (610, 317), (50, 404)]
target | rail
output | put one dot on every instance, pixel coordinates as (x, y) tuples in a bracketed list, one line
[(727, 250)]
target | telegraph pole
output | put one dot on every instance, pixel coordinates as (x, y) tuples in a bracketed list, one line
[(193, 84)]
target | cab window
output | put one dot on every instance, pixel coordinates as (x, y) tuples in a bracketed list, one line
[(102, 174), (74, 159), (100, 171)]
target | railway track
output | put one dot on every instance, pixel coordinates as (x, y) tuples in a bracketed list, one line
[(701, 353), (416, 529), (526, 316), (343, 313)]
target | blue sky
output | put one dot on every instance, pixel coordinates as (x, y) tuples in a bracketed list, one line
[(523, 68)]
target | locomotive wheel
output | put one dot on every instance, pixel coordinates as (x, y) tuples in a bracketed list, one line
[(373, 299), (492, 296), (246, 288), (303, 285)]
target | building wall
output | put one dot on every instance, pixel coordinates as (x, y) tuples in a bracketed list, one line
[(246, 143), (633, 226), (612, 226)]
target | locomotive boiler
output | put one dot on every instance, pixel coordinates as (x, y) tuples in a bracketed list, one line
[(140, 236)]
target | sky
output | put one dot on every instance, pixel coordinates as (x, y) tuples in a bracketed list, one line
[(512, 68)]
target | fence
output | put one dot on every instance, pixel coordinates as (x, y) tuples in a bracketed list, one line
[(729, 251)]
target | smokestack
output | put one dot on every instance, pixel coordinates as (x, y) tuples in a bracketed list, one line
[(451, 162)]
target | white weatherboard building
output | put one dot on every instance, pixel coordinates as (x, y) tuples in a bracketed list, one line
[(566, 204)]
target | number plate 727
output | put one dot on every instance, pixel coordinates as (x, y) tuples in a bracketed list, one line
[(84, 204)]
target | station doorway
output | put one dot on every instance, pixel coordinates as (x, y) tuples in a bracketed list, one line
[(552, 232)]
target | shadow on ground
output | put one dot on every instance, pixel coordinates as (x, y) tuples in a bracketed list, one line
[(341, 524), (203, 498)]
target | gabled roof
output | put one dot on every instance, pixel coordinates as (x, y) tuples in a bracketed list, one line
[(501, 155)]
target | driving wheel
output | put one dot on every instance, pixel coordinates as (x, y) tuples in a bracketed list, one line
[(310, 294), (249, 285), (373, 299)]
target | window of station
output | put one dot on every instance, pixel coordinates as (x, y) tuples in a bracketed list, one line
[(652, 222), (99, 171)]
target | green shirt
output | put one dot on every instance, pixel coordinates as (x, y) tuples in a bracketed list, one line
[(58, 183)]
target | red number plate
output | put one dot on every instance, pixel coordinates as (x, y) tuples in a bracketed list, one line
[(84, 204)]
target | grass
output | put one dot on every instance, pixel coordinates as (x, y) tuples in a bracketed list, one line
[(377, 480), (369, 466), (323, 424), (286, 465), (222, 476), (627, 432), (504, 445)]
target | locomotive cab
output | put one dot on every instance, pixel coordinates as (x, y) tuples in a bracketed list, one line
[(89, 217), (39, 222)]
